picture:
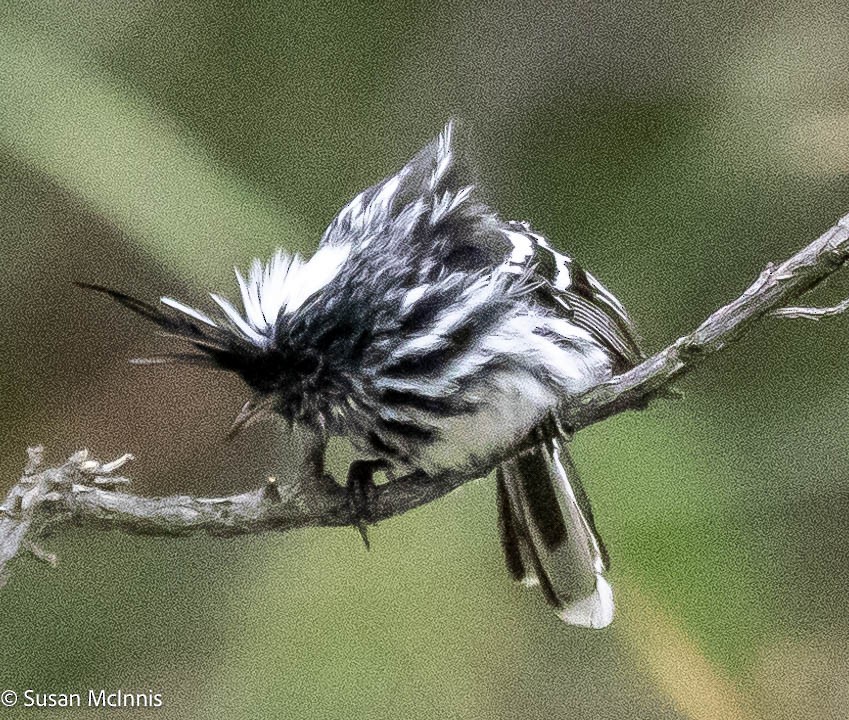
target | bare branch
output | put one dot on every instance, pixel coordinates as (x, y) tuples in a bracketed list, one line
[(775, 287), (83, 491), (812, 313)]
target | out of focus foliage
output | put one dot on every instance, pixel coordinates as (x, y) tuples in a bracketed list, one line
[(674, 148)]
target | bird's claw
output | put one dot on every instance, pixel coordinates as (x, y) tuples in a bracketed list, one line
[(360, 484)]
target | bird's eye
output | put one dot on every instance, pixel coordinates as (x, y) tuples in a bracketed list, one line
[(308, 365)]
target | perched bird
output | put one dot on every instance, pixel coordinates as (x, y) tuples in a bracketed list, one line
[(432, 333)]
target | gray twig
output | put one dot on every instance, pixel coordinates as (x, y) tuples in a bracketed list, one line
[(812, 313), (83, 491)]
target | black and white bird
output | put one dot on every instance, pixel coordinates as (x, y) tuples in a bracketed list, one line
[(432, 333)]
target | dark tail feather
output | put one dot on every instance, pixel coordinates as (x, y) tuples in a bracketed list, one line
[(549, 537), (583, 501), (508, 526)]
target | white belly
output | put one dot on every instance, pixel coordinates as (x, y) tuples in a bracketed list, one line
[(510, 381), (512, 405)]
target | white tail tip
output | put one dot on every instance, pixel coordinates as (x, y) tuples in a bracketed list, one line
[(593, 611)]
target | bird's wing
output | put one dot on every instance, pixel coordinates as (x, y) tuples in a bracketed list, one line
[(426, 222), (572, 292)]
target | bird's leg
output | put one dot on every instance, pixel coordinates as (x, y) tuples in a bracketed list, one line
[(551, 428), (360, 484)]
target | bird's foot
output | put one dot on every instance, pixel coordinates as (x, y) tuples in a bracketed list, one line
[(360, 485)]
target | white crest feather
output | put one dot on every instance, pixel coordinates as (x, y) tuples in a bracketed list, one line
[(280, 286), (444, 155), (186, 310)]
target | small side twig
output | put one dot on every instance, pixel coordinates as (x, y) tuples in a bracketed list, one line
[(812, 313)]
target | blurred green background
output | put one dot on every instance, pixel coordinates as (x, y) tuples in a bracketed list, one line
[(674, 148)]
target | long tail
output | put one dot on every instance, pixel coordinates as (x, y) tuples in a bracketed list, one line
[(549, 536)]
